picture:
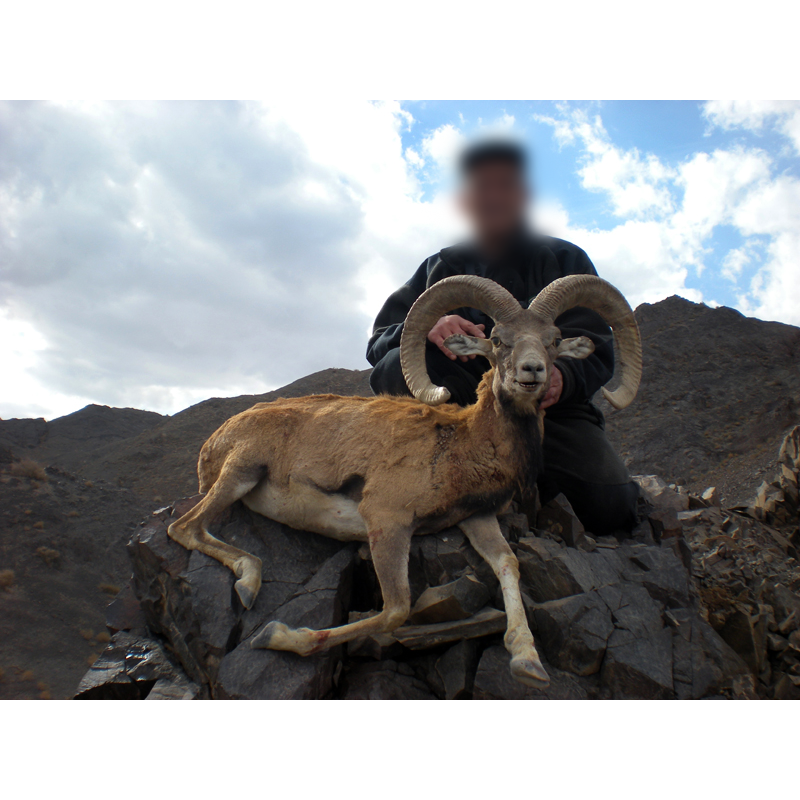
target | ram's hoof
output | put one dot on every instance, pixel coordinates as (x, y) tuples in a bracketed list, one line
[(246, 593), (270, 636), (530, 671)]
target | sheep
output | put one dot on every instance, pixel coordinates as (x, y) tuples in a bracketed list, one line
[(383, 469)]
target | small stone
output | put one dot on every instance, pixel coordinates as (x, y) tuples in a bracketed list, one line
[(660, 495), (665, 524), (456, 600), (558, 517), (711, 496)]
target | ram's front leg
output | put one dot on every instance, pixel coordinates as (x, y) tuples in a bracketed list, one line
[(484, 534)]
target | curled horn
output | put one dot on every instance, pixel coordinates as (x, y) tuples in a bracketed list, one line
[(598, 295), (458, 291)]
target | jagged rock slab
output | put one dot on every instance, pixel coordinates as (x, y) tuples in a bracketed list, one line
[(458, 599), (422, 637), (493, 681), (574, 632), (558, 517), (133, 668), (702, 663), (456, 669), (188, 599)]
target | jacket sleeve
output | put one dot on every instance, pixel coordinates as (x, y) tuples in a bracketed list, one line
[(583, 377), (388, 326)]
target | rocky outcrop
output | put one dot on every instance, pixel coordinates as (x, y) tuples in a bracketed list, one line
[(612, 619)]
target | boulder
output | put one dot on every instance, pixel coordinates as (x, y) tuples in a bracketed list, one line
[(493, 681), (458, 599), (574, 632), (188, 599), (702, 663), (558, 517), (638, 660), (135, 668)]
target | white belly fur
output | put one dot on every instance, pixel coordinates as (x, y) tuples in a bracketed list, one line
[(306, 508)]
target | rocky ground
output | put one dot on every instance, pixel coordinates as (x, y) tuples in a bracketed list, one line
[(720, 392), (700, 602)]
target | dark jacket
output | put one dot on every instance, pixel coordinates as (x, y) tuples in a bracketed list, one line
[(532, 263)]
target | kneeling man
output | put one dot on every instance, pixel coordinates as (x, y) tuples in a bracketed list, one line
[(578, 458)]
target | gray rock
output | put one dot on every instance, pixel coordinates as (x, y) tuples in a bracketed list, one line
[(247, 673), (702, 663), (456, 669), (663, 575), (638, 660), (638, 666), (188, 599), (746, 634), (574, 632), (131, 668), (558, 517), (422, 637), (458, 599), (384, 680), (550, 572), (493, 681)]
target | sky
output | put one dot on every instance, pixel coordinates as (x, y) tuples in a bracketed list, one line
[(153, 255)]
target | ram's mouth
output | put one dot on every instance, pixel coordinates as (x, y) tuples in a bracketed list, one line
[(528, 387)]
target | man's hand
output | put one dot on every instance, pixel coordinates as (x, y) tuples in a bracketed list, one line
[(553, 393), (452, 324)]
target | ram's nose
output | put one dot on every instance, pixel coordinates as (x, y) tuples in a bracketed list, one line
[(532, 370)]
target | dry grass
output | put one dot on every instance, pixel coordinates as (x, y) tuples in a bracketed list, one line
[(109, 588), (91, 659), (103, 637), (49, 556), (87, 634), (74, 513), (88, 484), (27, 675), (28, 468), (6, 579), (39, 526)]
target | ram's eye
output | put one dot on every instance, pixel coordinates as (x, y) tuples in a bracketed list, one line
[(557, 341), (495, 340)]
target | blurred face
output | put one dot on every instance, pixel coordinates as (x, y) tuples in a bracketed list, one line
[(493, 198)]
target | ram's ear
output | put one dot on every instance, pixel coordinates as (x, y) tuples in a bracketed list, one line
[(462, 345), (579, 347)]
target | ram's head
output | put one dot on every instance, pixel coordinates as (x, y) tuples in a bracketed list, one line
[(525, 342)]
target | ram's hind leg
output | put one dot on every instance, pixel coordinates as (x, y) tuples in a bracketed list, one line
[(390, 558), (484, 535), (190, 530)]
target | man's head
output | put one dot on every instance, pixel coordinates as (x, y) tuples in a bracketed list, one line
[(494, 191)]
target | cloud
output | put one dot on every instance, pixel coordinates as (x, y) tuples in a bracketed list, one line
[(165, 253), (153, 255), (756, 115), (671, 212)]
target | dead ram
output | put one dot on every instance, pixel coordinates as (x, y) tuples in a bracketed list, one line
[(384, 469)]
